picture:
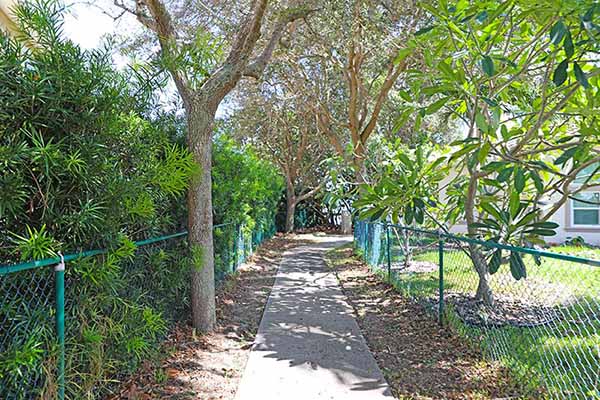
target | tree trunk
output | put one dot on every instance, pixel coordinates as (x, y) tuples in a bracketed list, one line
[(200, 220), (290, 208), (484, 292), (360, 167), (346, 222)]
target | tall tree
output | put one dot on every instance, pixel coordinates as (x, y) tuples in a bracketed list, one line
[(283, 127), (363, 59), (201, 91)]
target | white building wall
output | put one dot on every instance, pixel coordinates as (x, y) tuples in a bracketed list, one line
[(564, 232)]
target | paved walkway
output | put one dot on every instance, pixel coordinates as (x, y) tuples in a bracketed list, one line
[(309, 345)]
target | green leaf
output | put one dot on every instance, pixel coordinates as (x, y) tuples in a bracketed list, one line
[(481, 122), (495, 261), (419, 215), (490, 102), (481, 225), (484, 151), (408, 215), (546, 225), (437, 105), (504, 132), (402, 54), (487, 65), (530, 216), (537, 181), (493, 211), (514, 204), (564, 157), (423, 31), (558, 31), (504, 175), (517, 267), (568, 45), (560, 73), (541, 232), (581, 76), (519, 179), (404, 95)]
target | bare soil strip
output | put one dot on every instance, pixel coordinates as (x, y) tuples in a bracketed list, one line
[(419, 359)]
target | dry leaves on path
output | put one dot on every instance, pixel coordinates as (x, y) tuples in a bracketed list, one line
[(419, 359)]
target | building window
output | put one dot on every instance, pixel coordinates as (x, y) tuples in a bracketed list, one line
[(586, 210)]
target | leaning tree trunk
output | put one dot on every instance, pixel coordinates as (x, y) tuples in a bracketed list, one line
[(290, 208), (484, 292), (200, 220)]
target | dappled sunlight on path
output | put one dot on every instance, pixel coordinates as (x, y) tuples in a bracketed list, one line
[(309, 345)]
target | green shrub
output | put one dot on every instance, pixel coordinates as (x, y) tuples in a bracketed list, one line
[(88, 160)]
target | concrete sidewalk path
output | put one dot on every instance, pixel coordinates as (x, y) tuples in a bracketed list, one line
[(309, 345)]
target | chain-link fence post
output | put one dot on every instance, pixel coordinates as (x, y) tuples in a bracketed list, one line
[(389, 255), (236, 247), (59, 275), (441, 277)]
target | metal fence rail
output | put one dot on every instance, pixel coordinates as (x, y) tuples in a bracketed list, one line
[(544, 328), (35, 300)]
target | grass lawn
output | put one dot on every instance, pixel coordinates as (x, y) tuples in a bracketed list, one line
[(564, 351)]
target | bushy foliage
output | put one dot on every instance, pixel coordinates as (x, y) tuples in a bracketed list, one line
[(86, 162), (246, 190), (90, 161)]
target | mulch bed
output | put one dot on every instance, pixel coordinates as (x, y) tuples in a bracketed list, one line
[(506, 311), (209, 367), (419, 359)]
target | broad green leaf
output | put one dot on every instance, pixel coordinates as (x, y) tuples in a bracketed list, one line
[(437, 105), (537, 181), (404, 95), (517, 267), (560, 73), (495, 261), (568, 45), (581, 76), (484, 151), (504, 175), (408, 215), (504, 132), (402, 54), (493, 211), (481, 122), (514, 204), (527, 218), (487, 65), (519, 179), (546, 225), (541, 232), (565, 156), (423, 31), (558, 31), (419, 215)]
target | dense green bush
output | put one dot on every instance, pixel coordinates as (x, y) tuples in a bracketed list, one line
[(89, 160), (246, 190)]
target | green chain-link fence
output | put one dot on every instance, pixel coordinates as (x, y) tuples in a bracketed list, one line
[(75, 332), (545, 328)]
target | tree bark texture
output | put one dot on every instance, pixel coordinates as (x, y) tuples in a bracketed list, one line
[(200, 219)]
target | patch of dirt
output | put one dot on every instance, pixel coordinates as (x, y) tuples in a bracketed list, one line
[(414, 267), (419, 359), (209, 367), (506, 311)]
